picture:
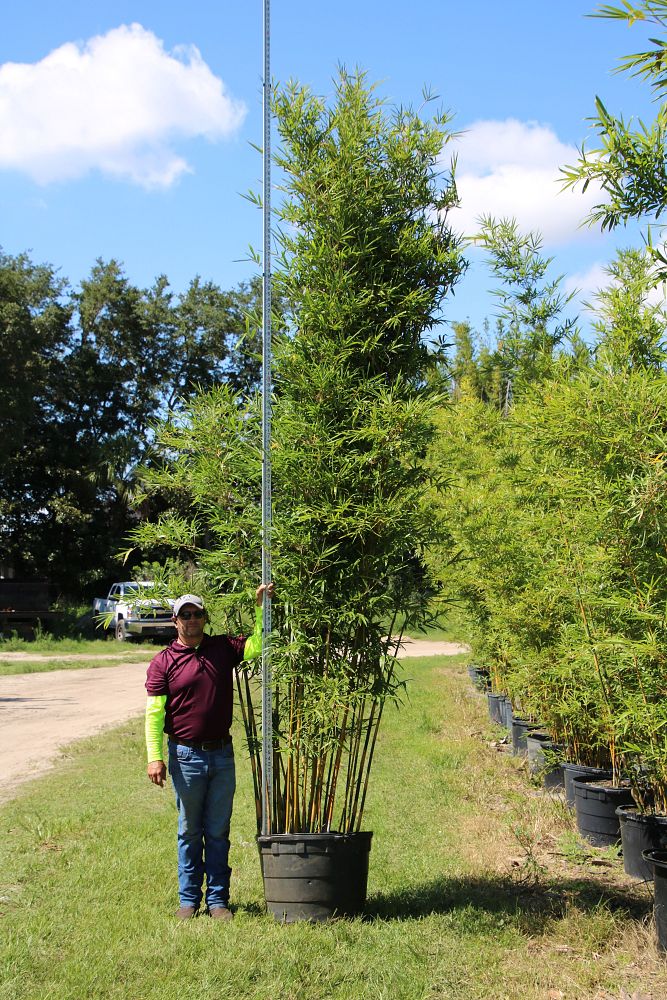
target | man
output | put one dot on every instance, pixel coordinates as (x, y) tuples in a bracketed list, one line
[(190, 694)]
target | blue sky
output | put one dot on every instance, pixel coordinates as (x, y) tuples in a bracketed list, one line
[(127, 125)]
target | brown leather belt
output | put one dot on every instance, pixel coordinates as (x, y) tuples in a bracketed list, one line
[(206, 745)]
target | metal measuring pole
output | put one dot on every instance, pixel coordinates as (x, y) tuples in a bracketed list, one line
[(267, 678)]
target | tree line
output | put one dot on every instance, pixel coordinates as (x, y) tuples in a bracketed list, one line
[(85, 375)]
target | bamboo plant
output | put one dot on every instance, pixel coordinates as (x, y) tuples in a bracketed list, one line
[(563, 537), (366, 257)]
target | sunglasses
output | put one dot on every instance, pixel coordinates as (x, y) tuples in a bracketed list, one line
[(187, 615)]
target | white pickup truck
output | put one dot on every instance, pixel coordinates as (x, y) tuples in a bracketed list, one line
[(133, 617)]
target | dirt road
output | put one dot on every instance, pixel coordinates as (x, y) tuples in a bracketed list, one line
[(42, 712)]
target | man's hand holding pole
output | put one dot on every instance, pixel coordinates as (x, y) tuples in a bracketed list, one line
[(259, 593)]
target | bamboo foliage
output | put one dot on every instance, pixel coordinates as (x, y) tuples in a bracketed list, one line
[(366, 258), (563, 535)]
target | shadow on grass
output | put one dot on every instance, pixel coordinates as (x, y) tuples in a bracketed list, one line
[(498, 895)]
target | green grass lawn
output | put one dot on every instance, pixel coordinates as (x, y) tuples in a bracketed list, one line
[(445, 634), (9, 667), (475, 892), (49, 644), (450, 627), (61, 653)]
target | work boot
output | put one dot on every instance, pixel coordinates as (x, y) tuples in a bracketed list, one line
[(220, 913), (186, 912)]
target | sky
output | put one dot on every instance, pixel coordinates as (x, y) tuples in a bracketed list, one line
[(127, 127)]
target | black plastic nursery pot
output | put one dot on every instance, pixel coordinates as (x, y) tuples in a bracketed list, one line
[(506, 713), (494, 701), (544, 759), (478, 676), (536, 738), (640, 832), (572, 771), (658, 862), (314, 876), (520, 730), (595, 806)]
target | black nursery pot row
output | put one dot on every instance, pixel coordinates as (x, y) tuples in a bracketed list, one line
[(528, 739), (605, 815)]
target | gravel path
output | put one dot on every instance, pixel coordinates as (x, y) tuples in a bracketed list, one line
[(50, 657), (42, 712), (424, 647)]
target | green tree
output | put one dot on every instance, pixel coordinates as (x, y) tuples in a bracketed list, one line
[(144, 352), (630, 327), (85, 375), (531, 323), (530, 326), (464, 368), (35, 330), (628, 161)]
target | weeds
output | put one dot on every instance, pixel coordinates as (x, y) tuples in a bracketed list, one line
[(526, 870)]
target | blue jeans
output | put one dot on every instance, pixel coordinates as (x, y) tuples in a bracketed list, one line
[(204, 782)]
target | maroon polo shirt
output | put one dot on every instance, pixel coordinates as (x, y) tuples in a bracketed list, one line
[(199, 685)]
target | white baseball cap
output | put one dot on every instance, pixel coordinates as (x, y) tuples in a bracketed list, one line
[(187, 599)]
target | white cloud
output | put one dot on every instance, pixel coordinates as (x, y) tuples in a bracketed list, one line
[(589, 283), (116, 103), (510, 169), (658, 295), (586, 284)]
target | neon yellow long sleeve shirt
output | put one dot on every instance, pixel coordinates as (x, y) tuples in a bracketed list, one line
[(156, 704)]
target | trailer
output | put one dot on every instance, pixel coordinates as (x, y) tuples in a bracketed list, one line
[(25, 607)]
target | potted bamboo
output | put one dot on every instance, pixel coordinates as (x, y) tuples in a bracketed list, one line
[(366, 258), (643, 824), (559, 518)]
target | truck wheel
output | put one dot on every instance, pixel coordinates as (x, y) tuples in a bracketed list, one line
[(121, 632)]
